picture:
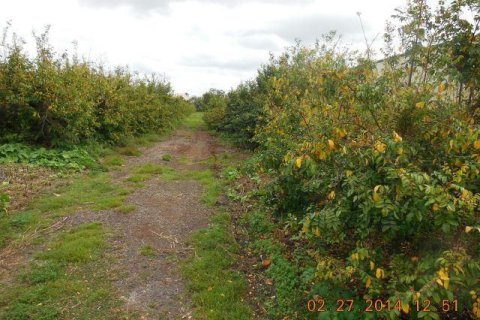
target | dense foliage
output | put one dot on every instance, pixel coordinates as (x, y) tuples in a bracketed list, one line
[(59, 100), (73, 159), (374, 167)]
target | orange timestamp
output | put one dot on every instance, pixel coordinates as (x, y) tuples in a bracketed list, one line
[(378, 305)]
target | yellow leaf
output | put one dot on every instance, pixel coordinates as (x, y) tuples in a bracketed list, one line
[(298, 162), (379, 273), (443, 274), (372, 265), (348, 173), (476, 144), (420, 105), (380, 147), (468, 229), (321, 155), (317, 232), (397, 137), (368, 283), (331, 144), (405, 307), (331, 195), (441, 87), (435, 207)]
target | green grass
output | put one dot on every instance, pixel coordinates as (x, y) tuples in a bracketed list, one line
[(126, 208), (148, 251), (149, 168), (167, 157), (146, 140), (212, 186), (95, 191), (137, 178), (130, 151), (195, 121), (143, 173), (217, 290), (113, 161), (68, 280)]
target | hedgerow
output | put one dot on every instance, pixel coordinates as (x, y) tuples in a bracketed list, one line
[(60, 100), (375, 166)]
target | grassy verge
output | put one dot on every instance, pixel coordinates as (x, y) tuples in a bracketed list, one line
[(217, 289)]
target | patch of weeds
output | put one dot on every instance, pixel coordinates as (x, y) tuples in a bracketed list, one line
[(285, 274), (130, 151), (218, 290), (146, 139), (212, 186), (167, 157), (185, 160), (66, 281), (126, 208), (71, 159), (230, 174), (81, 245), (125, 192), (137, 178), (149, 168), (113, 161), (148, 251)]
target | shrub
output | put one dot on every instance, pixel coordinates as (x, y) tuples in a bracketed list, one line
[(376, 170), (62, 100)]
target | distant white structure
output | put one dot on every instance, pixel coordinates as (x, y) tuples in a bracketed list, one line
[(184, 95)]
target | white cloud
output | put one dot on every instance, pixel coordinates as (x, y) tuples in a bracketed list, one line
[(196, 44)]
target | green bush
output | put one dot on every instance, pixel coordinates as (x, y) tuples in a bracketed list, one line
[(62, 100), (376, 171)]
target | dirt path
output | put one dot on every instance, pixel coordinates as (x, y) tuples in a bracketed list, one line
[(166, 213)]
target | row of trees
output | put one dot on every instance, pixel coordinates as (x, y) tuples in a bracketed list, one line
[(58, 100), (375, 166)]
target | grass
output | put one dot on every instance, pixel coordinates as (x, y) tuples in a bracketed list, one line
[(126, 208), (148, 251), (212, 187), (93, 191), (195, 121), (113, 161), (129, 150), (167, 157), (149, 168), (143, 173), (68, 280), (217, 290)]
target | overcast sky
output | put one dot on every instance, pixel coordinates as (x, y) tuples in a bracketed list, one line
[(197, 44)]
